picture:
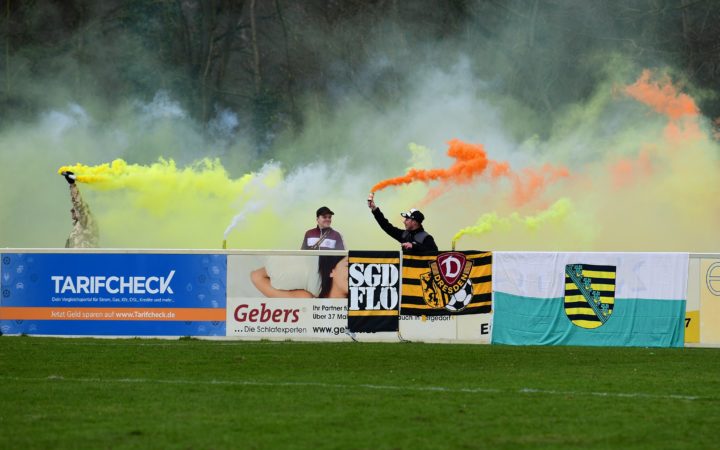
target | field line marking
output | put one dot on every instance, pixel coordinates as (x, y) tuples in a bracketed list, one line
[(610, 394), (527, 391)]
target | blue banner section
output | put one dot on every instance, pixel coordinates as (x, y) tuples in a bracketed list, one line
[(634, 322), (113, 294), (117, 280)]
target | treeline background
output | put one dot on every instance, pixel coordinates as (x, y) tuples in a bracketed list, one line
[(271, 61)]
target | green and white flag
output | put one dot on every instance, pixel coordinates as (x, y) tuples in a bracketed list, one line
[(607, 299)]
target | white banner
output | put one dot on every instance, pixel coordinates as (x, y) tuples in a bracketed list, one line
[(295, 319), (473, 328), (659, 276), (298, 297)]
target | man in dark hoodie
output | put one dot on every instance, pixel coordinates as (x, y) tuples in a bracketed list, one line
[(413, 239)]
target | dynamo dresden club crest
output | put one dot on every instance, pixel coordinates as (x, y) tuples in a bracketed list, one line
[(589, 294), (448, 284)]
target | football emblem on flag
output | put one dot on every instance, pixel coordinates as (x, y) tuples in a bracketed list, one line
[(460, 299), (448, 284)]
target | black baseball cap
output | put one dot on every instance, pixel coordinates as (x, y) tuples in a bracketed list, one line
[(324, 210), (414, 214)]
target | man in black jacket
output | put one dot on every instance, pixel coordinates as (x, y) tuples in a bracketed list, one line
[(413, 239)]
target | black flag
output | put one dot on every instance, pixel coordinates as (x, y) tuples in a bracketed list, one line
[(447, 283), (374, 291)]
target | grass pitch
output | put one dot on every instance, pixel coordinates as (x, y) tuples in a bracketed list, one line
[(189, 394)]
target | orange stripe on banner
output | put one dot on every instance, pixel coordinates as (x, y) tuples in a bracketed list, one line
[(420, 258), (355, 260), (481, 271), (156, 314)]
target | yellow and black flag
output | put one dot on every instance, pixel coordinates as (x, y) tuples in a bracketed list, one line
[(373, 291), (589, 294), (447, 283)]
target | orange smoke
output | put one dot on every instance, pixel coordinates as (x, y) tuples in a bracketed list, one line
[(533, 182), (470, 161), (662, 97), (433, 194), (626, 171)]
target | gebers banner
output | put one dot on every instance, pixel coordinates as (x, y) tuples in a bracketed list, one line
[(298, 297), (448, 283), (373, 291)]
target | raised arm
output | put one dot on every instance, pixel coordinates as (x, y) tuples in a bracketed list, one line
[(393, 232)]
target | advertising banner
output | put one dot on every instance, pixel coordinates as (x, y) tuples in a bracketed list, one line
[(294, 319), (113, 294), (299, 297), (475, 328), (431, 328), (692, 307), (710, 301), (374, 291)]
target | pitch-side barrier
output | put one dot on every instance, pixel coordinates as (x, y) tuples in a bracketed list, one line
[(530, 297)]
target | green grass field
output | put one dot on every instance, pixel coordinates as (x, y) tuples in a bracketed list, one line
[(190, 394)]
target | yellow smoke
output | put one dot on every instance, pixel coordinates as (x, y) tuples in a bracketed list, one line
[(205, 176), (162, 204), (555, 214), (651, 186), (639, 181), (420, 157)]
